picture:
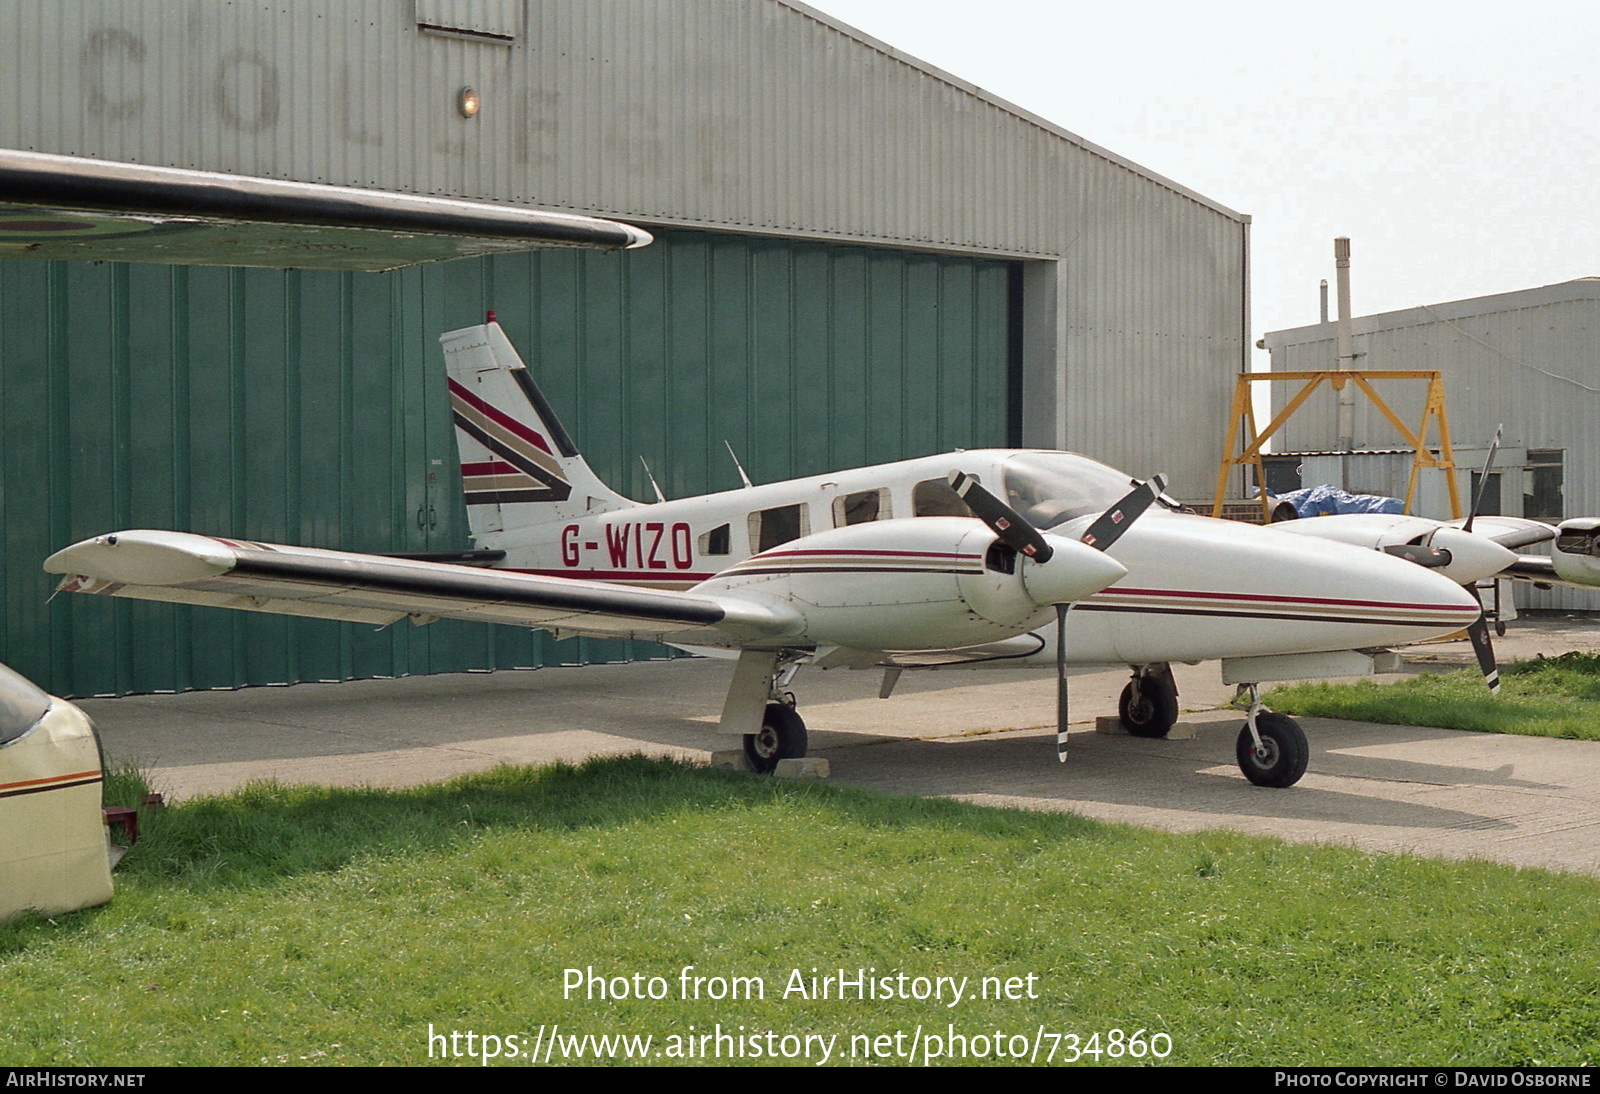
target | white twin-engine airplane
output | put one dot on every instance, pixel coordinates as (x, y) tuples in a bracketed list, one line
[(826, 571)]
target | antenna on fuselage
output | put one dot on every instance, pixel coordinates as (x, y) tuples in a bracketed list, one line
[(659, 495), (737, 465)]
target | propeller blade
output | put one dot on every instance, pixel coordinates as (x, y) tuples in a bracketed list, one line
[(1109, 526), (1061, 682), (1483, 646), (1004, 521), (1483, 479)]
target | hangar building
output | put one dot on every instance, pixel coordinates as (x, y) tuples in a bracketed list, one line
[(858, 258), (1527, 360)]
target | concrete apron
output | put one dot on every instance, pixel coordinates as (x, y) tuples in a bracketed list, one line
[(981, 736)]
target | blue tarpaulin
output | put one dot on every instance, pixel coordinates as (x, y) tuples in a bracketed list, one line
[(1318, 501)]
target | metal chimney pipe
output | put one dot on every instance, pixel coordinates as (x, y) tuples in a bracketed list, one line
[(1347, 397)]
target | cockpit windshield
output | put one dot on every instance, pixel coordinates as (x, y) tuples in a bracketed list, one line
[(1050, 487), (21, 705)]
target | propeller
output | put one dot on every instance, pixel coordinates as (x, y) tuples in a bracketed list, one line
[(1478, 630), (1016, 532)]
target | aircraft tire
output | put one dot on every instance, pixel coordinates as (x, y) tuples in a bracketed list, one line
[(782, 737), (1286, 751), (1148, 707)]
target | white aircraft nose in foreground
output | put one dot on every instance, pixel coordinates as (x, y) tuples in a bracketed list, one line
[(829, 571)]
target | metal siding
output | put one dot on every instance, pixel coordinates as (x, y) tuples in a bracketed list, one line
[(754, 117), (495, 17), (306, 407)]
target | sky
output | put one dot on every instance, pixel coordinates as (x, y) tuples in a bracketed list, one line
[(1457, 145)]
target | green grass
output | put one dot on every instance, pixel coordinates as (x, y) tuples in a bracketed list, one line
[(1549, 697), (287, 925)]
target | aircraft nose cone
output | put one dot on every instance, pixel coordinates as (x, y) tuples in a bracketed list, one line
[(1074, 571), (1472, 557)]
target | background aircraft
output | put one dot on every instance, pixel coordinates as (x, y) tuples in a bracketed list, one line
[(53, 854), (823, 571), (1473, 551)]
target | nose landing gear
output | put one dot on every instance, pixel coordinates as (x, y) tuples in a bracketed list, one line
[(1272, 749)]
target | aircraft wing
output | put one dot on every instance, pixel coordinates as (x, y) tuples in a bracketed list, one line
[(78, 209), (1540, 569), (1512, 533), (184, 568)]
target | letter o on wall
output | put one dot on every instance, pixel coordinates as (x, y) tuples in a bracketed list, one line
[(247, 92)]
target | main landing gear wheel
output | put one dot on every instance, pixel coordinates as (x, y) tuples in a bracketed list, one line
[(782, 737), (1149, 706), (1284, 752)]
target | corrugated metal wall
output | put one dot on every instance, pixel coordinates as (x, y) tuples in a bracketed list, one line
[(756, 115), (307, 408), (764, 117), (1525, 359)]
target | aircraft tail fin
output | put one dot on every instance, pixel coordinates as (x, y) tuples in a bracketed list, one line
[(518, 465)]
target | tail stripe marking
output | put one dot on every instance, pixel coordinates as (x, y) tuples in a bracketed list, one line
[(525, 470)]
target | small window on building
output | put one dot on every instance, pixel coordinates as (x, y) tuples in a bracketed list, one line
[(771, 527), (936, 498), (715, 542), (1544, 500), (862, 507)]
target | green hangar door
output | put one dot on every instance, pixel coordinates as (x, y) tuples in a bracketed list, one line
[(309, 408)]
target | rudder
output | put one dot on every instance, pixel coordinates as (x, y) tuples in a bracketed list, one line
[(518, 465)]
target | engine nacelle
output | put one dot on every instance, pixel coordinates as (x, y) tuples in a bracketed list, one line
[(1576, 552), (904, 585)]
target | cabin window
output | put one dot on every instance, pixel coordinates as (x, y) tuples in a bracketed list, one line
[(715, 542), (771, 527), (1544, 500), (862, 507), (936, 498)]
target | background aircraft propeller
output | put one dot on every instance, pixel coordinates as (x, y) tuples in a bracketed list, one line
[(1478, 630), (1016, 532)]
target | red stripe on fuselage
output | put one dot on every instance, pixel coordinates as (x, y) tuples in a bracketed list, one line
[(616, 575), (1269, 598), (860, 554)]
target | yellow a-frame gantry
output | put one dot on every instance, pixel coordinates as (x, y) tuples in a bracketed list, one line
[(1422, 456)]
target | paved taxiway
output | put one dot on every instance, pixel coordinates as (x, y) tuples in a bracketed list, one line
[(975, 735)]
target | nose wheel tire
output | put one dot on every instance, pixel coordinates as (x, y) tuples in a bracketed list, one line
[(782, 737), (1283, 755), (1148, 707)]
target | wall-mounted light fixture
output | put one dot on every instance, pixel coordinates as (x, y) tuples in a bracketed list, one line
[(467, 102)]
